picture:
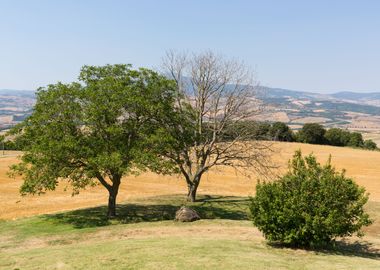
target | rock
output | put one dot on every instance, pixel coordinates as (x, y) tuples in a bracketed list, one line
[(186, 214)]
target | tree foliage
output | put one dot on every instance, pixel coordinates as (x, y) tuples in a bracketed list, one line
[(310, 205), (370, 145), (356, 140), (312, 133), (261, 130), (95, 131), (281, 132), (337, 137)]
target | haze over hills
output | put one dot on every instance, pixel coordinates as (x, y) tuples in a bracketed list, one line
[(348, 96), (356, 96), (15, 105), (350, 110), (12, 92)]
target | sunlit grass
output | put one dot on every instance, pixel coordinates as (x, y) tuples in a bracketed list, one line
[(144, 236)]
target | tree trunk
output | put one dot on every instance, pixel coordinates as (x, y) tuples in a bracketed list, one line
[(192, 190), (113, 191), (191, 196), (112, 204)]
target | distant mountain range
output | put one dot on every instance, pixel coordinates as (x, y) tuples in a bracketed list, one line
[(18, 93), (359, 111), (353, 97), (15, 106), (356, 96), (344, 109), (263, 92)]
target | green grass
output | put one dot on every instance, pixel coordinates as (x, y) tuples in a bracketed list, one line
[(149, 210), (144, 236)]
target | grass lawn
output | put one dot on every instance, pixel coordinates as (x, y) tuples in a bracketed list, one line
[(144, 236)]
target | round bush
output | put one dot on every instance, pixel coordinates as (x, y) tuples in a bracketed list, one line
[(310, 205)]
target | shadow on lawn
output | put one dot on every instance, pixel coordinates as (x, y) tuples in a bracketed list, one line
[(208, 207), (358, 248), (362, 249)]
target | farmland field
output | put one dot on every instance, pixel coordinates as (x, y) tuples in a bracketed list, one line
[(46, 232), (362, 165)]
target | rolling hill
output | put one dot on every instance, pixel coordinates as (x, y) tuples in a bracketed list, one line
[(360, 111), (15, 106), (57, 231), (355, 111)]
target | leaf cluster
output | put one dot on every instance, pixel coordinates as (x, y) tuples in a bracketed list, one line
[(101, 127), (310, 205)]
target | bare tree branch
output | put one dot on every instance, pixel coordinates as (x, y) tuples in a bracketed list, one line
[(221, 94)]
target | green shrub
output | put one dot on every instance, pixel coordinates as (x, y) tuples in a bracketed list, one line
[(370, 145), (356, 140), (312, 133), (281, 132), (260, 131), (310, 205), (337, 137)]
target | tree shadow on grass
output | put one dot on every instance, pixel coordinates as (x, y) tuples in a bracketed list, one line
[(362, 249), (358, 248), (208, 207), (222, 207)]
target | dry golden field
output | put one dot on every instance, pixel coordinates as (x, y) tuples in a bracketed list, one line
[(362, 165)]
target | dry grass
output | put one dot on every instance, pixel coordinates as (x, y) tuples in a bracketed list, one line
[(143, 238), (311, 119), (203, 245), (360, 164)]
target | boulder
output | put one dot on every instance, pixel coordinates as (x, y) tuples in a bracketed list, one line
[(185, 214)]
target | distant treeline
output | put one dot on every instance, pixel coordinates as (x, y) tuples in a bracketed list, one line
[(317, 134), (312, 133)]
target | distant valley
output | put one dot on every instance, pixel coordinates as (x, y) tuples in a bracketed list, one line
[(349, 110), (354, 111), (15, 106)]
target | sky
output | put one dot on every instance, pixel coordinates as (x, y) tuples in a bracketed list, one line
[(320, 46)]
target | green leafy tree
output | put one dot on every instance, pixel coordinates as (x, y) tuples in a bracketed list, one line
[(310, 205), (356, 140), (95, 131), (260, 130), (337, 137), (256, 130), (370, 145), (312, 133), (235, 128), (2, 142), (281, 132)]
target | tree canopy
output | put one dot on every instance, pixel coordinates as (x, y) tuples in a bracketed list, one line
[(312, 133), (281, 132), (337, 137), (94, 131)]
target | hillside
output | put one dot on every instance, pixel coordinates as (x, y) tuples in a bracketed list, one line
[(354, 111), (15, 106), (360, 164), (144, 236)]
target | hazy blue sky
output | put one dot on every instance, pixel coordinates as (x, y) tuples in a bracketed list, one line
[(315, 45)]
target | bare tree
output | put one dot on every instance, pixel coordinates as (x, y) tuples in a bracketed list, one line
[(216, 95)]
